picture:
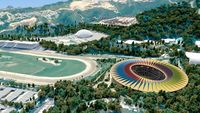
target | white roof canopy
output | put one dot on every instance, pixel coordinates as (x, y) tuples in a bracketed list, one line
[(129, 42), (197, 43), (84, 33), (194, 57)]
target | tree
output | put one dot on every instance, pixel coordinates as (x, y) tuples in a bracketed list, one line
[(114, 105), (99, 105), (128, 101)]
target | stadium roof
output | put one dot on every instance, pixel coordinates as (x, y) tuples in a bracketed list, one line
[(149, 75)]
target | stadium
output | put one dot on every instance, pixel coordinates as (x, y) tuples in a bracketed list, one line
[(149, 75)]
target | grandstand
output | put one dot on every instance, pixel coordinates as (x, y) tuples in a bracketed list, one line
[(19, 45)]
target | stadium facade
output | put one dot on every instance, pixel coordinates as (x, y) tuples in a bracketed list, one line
[(149, 75)]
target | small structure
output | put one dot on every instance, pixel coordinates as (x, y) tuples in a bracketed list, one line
[(126, 45), (169, 40), (197, 43), (120, 21), (129, 42), (194, 58), (165, 56), (179, 40)]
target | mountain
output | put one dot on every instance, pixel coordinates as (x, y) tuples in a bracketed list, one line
[(75, 11)]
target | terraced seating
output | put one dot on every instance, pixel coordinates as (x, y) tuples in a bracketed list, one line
[(149, 75), (148, 72)]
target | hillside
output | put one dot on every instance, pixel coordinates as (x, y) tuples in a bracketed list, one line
[(72, 12)]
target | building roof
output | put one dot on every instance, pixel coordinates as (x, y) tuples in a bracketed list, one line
[(168, 40), (84, 33), (194, 58), (197, 43), (2, 107), (26, 96), (131, 41), (16, 95), (119, 41), (8, 110), (19, 42), (5, 91), (144, 74), (13, 95)]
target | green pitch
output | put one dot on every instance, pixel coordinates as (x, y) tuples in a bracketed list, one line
[(27, 64)]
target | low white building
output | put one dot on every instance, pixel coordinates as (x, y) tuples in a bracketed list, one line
[(169, 40), (194, 58), (173, 40), (129, 42)]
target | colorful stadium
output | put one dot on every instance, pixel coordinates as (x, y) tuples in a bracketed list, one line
[(149, 75)]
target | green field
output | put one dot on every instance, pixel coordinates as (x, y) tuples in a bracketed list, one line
[(26, 64)]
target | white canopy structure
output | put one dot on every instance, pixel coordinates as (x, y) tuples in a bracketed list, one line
[(194, 58), (77, 38), (197, 43), (169, 40), (129, 42), (84, 33)]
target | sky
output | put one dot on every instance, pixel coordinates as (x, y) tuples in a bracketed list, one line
[(26, 3)]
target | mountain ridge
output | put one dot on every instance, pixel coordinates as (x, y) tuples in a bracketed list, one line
[(63, 12)]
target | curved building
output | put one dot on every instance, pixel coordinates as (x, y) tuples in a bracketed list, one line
[(194, 58), (149, 75), (84, 33)]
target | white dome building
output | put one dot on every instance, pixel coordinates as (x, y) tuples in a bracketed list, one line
[(194, 58), (84, 34)]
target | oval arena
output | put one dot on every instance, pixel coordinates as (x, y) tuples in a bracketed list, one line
[(149, 75)]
